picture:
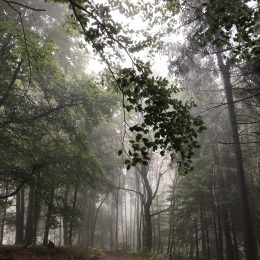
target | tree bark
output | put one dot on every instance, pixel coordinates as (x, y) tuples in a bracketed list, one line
[(30, 218), (147, 229)]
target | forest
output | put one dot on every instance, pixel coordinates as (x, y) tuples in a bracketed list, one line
[(130, 129)]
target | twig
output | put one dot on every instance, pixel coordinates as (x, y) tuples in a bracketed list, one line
[(25, 6), (159, 212), (227, 103)]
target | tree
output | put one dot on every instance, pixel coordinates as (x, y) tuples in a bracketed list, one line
[(213, 33), (168, 125)]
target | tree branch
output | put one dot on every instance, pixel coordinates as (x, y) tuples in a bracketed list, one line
[(159, 212), (12, 193), (25, 6), (227, 103)]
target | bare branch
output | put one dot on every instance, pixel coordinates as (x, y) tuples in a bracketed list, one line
[(159, 212), (158, 183), (25, 6), (256, 142), (12, 193), (226, 103)]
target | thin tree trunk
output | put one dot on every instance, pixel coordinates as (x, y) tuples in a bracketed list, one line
[(191, 242), (216, 235), (203, 235), (95, 219), (4, 217), (91, 217), (48, 218), (229, 245), (117, 211), (138, 219), (158, 228), (122, 218), (197, 240), (102, 228), (234, 232), (65, 216), (206, 229), (170, 228), (72, 217), (130, 223), (37, 212), (19, 220), (126, 233), (220, 218)]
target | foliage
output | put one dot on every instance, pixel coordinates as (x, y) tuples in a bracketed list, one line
[(231, 25), (174, 128), (45, 120)]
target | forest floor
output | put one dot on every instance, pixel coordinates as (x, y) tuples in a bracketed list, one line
[(58, 253)]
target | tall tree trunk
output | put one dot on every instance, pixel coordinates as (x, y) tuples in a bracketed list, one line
[(158, 227), (126, 233), (138, 219), (216, 235), (102, 229), (48, 218), (234, 232), (220, 215), (117, 212), (130, 222), (19, 219), (72, 217), (112, 230), (229, 245), (197, 240), (66, 215), (95, 219), (170, 230), (250, 241), (206, 230), (122, 218), (4, 217), (203, 233), (37, 212), (191, 242), (30, 218), (147, 229)]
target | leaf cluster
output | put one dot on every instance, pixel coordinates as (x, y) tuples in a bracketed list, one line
[(229, 24), (167, 126)]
